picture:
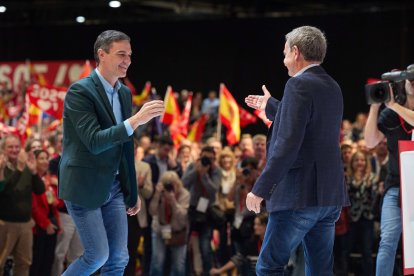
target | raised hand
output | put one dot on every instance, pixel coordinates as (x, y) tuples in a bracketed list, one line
[(31, 163), (257, 101), (148, 111)]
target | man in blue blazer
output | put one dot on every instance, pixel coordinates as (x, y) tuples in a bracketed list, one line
[(303, 181), (97, 173)]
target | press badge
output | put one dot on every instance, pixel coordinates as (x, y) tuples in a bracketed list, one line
[(238, 219), (202, 204)]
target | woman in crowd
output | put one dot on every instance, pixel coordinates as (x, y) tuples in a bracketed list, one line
[(46, 217), (362, 194), (169, 209), (245, 259), (184, 156), (227, 163)]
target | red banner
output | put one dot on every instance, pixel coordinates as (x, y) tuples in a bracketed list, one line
[(48, 98), (59, 73)]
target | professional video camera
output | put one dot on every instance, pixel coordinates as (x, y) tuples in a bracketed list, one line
[(380, 92)]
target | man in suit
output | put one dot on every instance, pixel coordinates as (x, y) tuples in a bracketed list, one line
[(97, 174), (303, 180)]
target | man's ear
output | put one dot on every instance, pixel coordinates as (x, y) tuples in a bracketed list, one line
[(101, 54), (296, 52)]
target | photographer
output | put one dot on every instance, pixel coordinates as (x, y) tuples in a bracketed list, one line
[(202, 178), (169, 209), (395, 122), (242, 225)]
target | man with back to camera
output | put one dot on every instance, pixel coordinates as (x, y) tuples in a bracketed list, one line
[(303, 180), (395, 122), (97, 174)]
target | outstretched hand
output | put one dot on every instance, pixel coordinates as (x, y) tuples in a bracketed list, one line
[(258, 101)]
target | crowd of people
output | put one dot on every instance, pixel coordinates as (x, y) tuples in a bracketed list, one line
[(175, 231), (201, 204)]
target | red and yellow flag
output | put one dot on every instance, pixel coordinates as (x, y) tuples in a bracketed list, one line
[(185, 116), (172, 116), (229, 115), (139, 99), (197, 129), (86, 70)]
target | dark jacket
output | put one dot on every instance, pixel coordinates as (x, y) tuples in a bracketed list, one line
[(95, 147), (304, 167)]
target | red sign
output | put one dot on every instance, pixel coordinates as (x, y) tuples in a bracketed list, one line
[(48, 98), (58, 73)]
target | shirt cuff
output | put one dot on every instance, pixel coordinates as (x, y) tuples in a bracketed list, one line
[(128, 128)]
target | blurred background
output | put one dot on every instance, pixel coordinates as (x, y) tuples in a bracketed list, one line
[(196, 45)]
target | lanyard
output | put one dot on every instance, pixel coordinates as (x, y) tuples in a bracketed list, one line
[(403, 126)]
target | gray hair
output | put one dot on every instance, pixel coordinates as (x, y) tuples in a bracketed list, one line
[(104, 41), (310, 41)]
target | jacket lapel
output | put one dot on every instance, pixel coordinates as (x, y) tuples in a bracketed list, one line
[(102, 94)]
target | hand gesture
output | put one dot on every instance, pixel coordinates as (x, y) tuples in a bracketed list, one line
[(51, 229), (21, 160), (391, 101), (31, 163), (148, 111), (3, 161), (202, 170), (134, 210), (253, 202), (159, 188), (257, 101)]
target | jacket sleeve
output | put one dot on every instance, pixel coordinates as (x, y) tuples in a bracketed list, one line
[(295, 115), (39, 213), (189, 177), (80, 110), (271, 108), (154, 204), (148, 189), (180, 210)]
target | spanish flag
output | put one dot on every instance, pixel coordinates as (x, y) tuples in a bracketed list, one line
[(197, 129), (138, 100), (172, 116), (229, 115), (172, 111)]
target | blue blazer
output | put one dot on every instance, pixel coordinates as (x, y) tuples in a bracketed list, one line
[(95, 147), (304, 167)]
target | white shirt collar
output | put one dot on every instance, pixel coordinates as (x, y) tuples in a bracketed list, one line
[(306, 68)]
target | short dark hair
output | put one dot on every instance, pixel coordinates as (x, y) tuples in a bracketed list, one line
[(208, 149), (105, 39), (253, 162), (165, 140)]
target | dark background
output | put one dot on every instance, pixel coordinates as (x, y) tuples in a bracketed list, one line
[(243, 53)]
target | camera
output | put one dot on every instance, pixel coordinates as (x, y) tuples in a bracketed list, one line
[(169, 187), (380, 92), (205, 161), (246, 171)]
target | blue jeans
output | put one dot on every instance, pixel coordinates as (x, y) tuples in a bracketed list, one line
[(390, 232), (313, 226), (104, 235), (178, 257)]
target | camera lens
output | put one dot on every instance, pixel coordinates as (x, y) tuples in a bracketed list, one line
[(205, 161), (169, 187), (246, 172)]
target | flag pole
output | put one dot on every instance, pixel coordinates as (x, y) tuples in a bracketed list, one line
[(218, 117)]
